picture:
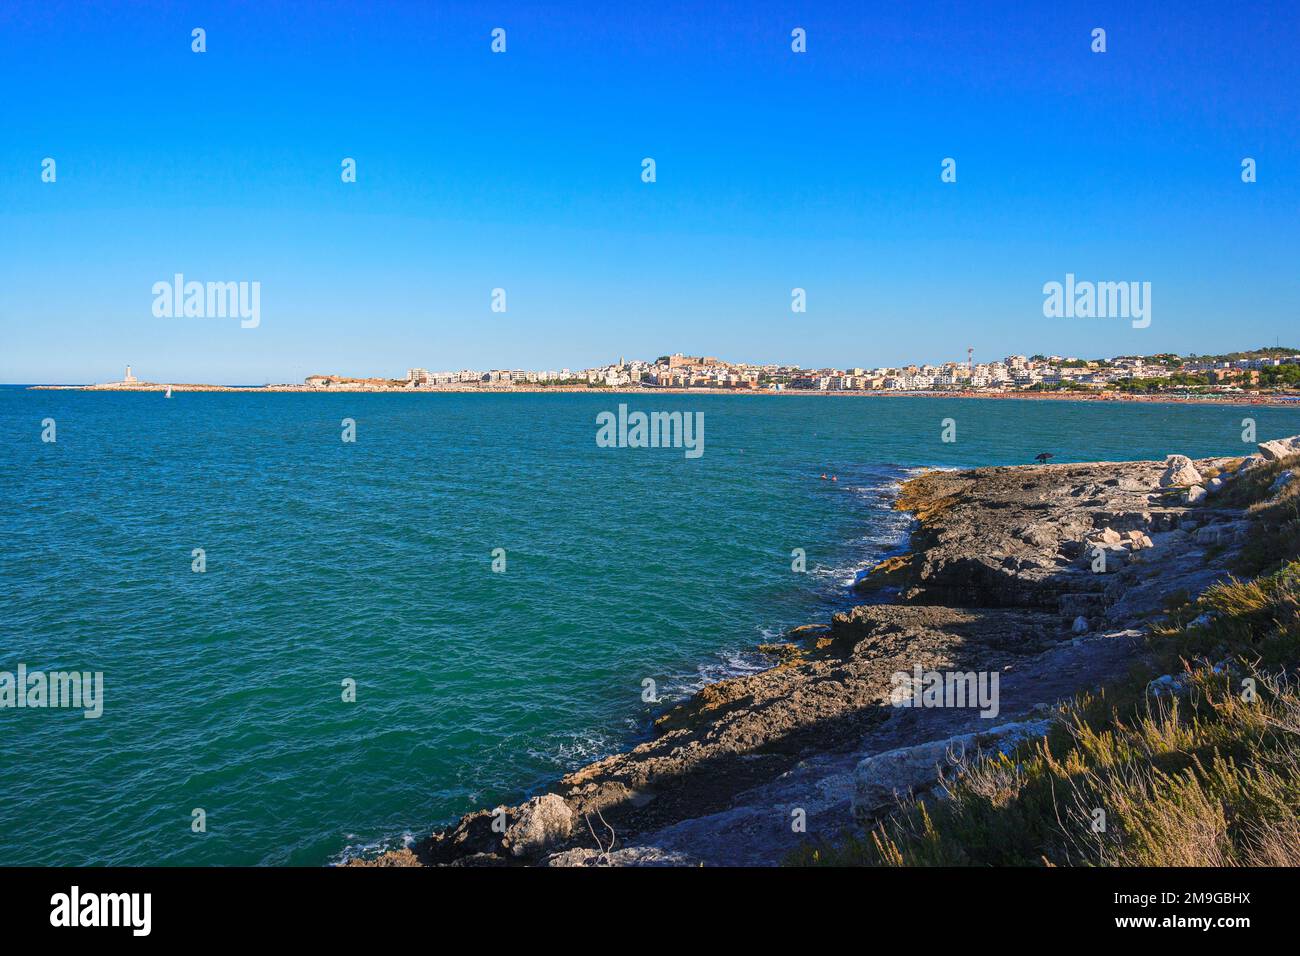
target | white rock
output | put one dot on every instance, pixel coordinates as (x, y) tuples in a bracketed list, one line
[(1179, 472), (1195, 494), (542, 822), (1279, 448), (1171, 685), (1080, 625), (1281, 481), (879, 779)]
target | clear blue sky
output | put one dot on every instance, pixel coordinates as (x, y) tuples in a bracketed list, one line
[(522, 171)]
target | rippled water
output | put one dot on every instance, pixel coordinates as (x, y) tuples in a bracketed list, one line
[(373, 561)]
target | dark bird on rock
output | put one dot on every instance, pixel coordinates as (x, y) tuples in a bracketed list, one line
[(1042, 459)]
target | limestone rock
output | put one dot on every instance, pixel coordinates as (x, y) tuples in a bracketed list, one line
[(1164, 521), (1137, 541), (1195, 495), (879, 779), (543, 822), (1179, 472), (1131, 484), (1213, 534), (1279, 448), (1080, 625), (1081, 605)]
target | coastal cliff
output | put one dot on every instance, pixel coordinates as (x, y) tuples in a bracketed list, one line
[(1044, 580)]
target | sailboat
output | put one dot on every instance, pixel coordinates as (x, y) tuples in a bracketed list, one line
[(169, 392)]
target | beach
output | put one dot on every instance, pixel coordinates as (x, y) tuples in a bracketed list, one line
[(1281, 400)]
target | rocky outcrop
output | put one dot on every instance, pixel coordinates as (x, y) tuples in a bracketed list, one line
[(1066, 539), (1179, 473), (1042, 576), (1279, 448), (543, 822), (881, 780)]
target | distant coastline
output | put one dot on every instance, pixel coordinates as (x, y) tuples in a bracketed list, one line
[(1284, 400)]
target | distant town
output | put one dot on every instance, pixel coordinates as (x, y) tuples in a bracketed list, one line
[(1262, 369), (1256, 375)]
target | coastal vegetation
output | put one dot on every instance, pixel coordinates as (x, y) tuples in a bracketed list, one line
[(1192, 760), (1163, 383), (1057, 387)]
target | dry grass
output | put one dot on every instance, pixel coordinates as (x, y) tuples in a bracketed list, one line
[(1215, 782), (1275, 518), (1207, 776)]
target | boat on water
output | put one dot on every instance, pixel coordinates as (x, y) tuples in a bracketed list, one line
[(169, 392)]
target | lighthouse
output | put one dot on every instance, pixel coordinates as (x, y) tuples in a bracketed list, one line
[(128, 379)]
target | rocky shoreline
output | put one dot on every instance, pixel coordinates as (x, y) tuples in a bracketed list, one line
[(1042, 578)]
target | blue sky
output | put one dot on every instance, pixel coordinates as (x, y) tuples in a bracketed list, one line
[(522, 171)]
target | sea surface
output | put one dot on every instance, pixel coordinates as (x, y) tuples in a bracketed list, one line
[(372, 561)]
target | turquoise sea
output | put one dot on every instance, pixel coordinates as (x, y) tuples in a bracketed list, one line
[(373, 561)]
